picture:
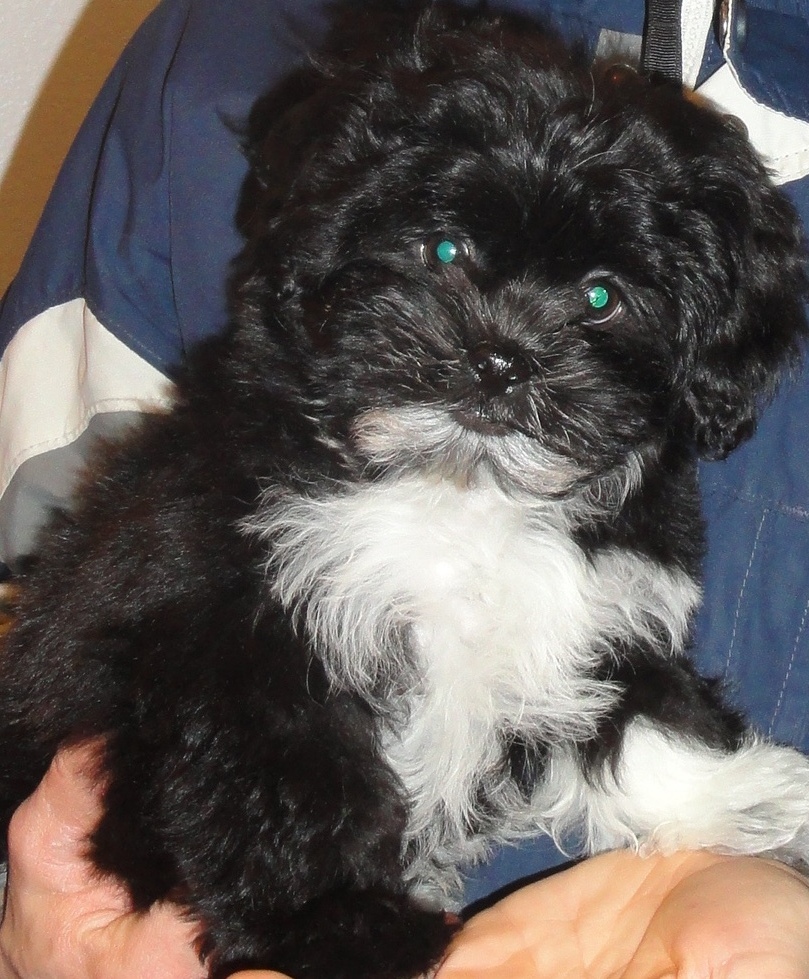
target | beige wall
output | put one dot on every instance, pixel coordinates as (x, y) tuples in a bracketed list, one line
[(54, 55)]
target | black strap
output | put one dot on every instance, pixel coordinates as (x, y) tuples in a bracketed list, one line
[(661, 53)]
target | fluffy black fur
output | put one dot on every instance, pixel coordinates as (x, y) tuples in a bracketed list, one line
[(243, 780)]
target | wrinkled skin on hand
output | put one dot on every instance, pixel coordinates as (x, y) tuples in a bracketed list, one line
[(620, 916)]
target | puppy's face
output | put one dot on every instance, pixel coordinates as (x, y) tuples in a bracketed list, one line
[(481, 258)]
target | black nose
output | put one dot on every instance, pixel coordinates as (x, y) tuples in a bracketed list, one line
[(498, 367)]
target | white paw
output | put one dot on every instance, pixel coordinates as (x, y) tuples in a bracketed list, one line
[(669, 794)]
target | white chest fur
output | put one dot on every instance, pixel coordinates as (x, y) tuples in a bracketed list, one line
[(477, 614)]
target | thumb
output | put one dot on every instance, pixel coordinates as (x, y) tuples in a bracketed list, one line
[(49, 829)]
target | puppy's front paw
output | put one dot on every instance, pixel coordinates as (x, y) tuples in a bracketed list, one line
[(754, 800), (773, 819), (344, 935), (671, 793)]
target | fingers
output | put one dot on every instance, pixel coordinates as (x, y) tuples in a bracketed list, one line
[(48, 831), (63, 919)]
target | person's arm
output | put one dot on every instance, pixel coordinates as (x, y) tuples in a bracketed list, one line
[(685, 915)]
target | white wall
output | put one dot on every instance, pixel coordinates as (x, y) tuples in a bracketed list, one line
[(54, 55)]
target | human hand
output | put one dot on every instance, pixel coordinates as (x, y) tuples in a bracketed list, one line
[(62, 919), (621, 916), (617, 915)]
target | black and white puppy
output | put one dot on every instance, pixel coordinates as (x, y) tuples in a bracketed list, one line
[(411, 565)]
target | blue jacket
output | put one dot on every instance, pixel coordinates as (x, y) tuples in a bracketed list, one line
[(127, 270)]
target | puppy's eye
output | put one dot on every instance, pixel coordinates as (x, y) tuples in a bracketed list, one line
[(441, 251), (602, 303)]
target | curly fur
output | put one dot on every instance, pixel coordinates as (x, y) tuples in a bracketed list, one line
[(410, 566)]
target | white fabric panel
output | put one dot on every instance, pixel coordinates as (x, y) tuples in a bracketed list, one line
[(62, 368), (781, 141)]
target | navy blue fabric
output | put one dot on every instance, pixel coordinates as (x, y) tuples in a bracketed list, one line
[(772, 56), (140, 224)]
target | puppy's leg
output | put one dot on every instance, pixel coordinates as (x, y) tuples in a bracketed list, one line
[(288, 852), (236, 784), (681, 776), (254, 796)]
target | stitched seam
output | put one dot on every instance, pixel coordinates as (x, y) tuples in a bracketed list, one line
[(790, 667), (742, 590), (711, 488)]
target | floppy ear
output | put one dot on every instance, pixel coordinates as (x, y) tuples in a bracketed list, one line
[(289, 126), (283, 133), (740, 341), (741, 287), (290, 142)]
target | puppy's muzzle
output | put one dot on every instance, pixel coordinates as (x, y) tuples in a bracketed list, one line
[(499, 367)]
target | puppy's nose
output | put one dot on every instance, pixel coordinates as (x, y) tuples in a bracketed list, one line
[(499, 367)]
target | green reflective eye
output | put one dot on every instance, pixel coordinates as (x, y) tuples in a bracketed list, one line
[(446, 251), (598, 297), (603, 303), (438, 252)]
